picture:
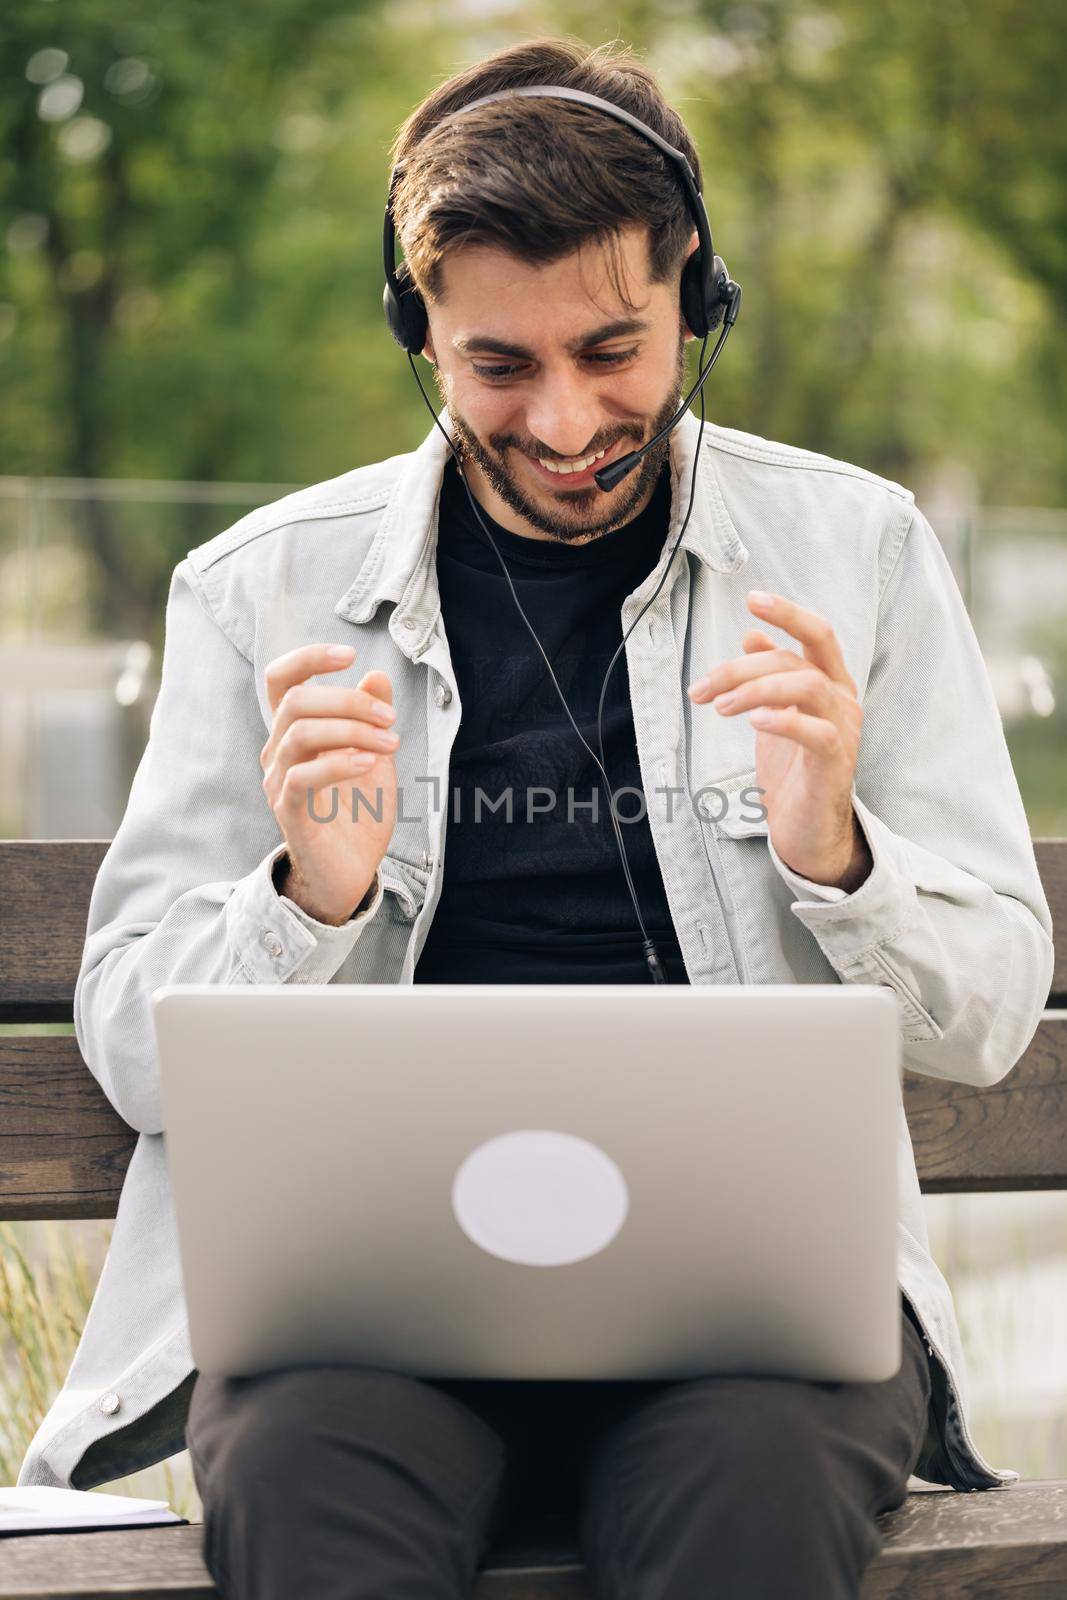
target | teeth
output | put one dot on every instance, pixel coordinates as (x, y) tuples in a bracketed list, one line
[(574, 466)]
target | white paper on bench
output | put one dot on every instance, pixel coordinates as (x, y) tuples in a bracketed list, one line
[(39, 1508)]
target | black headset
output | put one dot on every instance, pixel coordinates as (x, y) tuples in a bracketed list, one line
[(709, 297)]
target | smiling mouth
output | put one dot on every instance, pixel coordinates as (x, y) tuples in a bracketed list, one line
[(566, 473)]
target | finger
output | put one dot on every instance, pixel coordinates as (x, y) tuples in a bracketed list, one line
[(814, 733), (324, 700), (729, 674), (378, 684), (307, 736), (308, 779), (333, 700), (806, 687), (296, 666), (813, 632), (754, 640)]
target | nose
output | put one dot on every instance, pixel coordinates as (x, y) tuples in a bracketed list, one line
[(563, 414)]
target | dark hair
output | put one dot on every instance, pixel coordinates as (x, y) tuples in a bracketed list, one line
[(538, 177)]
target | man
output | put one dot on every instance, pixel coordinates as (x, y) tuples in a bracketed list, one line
[(893, 848)]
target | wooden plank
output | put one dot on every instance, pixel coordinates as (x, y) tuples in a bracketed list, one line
[(42, 950), (160, 1563), (47, 884), (1009, 1543), (1011, 1135), (64, 1150), (1006, 1542)]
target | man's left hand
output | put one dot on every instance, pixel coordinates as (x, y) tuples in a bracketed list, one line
[(808, 721)]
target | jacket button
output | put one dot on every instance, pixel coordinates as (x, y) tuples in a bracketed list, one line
[(109, 1404), (427, 861), (409, 623), (270, 942), (442, 695)]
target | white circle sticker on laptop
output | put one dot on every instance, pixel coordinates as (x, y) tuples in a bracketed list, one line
[(540, 1198)]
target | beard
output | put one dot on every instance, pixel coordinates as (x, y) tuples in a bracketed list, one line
[(577, 514)]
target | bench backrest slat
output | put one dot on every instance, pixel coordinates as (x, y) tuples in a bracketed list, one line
[(64, 1150), (44, 907), (45, 885)]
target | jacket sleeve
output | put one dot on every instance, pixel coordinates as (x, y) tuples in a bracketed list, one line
[(184, 893), (952, 915)]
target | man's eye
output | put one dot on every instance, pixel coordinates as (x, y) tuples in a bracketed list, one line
[(606, 358)]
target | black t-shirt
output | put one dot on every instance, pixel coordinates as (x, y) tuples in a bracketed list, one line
[(542, 898)]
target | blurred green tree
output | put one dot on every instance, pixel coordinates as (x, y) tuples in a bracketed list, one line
[(190, 200), (141, 147)]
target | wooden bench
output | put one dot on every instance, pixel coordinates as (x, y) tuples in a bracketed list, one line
[(65, 1151)]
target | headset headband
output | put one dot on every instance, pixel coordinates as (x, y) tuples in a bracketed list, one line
[(704, 292)]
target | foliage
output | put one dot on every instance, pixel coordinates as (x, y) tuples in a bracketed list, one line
[(47, 1279), (41, 1323), (191, 284)]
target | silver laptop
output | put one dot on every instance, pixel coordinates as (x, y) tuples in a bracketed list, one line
[(546, 1181)]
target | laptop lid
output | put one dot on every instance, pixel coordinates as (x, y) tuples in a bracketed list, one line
[(513, 1181)]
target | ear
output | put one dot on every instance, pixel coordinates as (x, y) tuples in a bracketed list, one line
[(427, 349)]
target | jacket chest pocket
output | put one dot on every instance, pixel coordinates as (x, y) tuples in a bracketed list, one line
[(405, 884), (732, 827), (737, 836), (774, 945), (733, 807)]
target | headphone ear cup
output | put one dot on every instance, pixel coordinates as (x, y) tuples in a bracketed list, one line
[(704, 307), (406, 312), (694, 309)]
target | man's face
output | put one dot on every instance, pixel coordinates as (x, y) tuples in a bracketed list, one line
[(544, 363)]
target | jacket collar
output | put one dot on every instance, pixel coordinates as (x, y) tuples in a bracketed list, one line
[(396, 566)]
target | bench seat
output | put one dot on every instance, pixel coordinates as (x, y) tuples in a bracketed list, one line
[(65, 1155), (1000, 1542)]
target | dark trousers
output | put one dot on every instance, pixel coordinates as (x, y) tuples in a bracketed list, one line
[(344, 1481)]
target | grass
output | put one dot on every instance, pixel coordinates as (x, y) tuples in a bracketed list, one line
[(41, 1321), (48, 1274)]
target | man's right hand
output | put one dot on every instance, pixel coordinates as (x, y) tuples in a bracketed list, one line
[(322, 736)]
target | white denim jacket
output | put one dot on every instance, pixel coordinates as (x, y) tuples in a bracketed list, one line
[(952, 917)]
